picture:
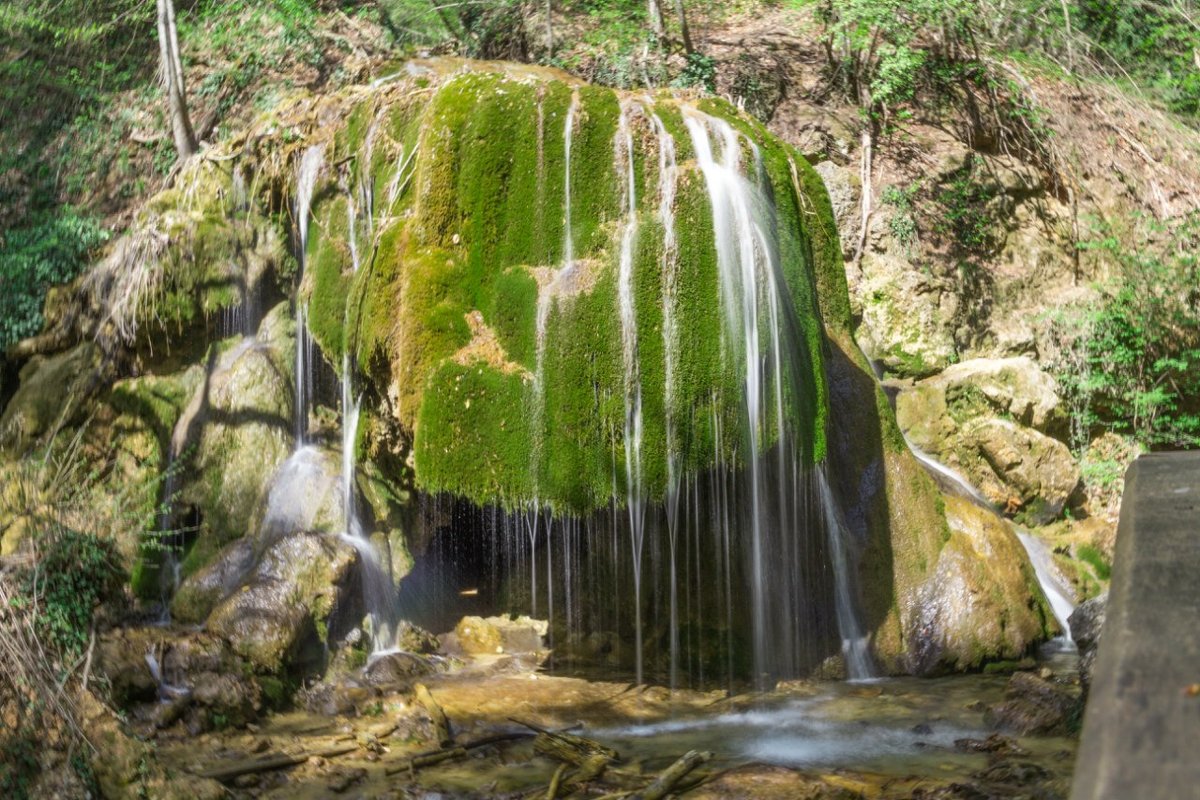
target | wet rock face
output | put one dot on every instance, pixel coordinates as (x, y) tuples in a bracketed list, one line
[(976, 605), (302, 593), (993, 419), (1087, 624), (1035, 705), (239, 423)]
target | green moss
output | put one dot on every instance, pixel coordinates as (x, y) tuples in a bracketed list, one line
[(485, 208), (472, 435), (329, 273)]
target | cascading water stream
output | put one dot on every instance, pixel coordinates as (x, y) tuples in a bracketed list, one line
[(379, 593), (306, 179), (1048, 576), (668, 175), (1051, 581), (855, 647), (750, 295), (634, 495), (561, 279)]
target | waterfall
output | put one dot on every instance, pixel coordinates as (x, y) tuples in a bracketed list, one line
[(668, 175), (855, 647), (1050, 579), (546, 294), (634, 496), (1048, 576), (306, 180), (379, 593)]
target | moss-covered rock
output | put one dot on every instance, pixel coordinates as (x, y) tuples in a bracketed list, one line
[(301, 591), (51, 395), (981, 601), (237, 430)]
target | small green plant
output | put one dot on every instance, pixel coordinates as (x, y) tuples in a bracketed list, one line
[(902, 224), (965, 216), (1091, 555), (700, 71), (51, 250), (76, 573)]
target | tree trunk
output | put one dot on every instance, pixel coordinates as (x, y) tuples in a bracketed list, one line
[(172, 75), (656, 22), (684, 30), (549, 31)]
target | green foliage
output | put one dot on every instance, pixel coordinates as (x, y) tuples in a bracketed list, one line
[(1154, 42), (876, 44), (902, 223), (76, 573), (1131, 363), (19, 765), (1096, 559), (964, 213), (701, 71), (51, 250)]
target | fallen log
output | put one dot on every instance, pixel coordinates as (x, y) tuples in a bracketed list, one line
[(672, 775), (572, 749), (270, 763), (556, 782), (441, 724), (431, 757)]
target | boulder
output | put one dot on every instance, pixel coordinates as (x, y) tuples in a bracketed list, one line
[(985, 419), (495, 635), (302, 592), (1013, 388), (1035, 705), (905, 317), (241, 426), (205, 679), (51, 392), (981, 602), (1087, 624)]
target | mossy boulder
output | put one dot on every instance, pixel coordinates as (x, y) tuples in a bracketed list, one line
[(239, 427), (981, 601), (986, 418), (302, 591), (51, 395)]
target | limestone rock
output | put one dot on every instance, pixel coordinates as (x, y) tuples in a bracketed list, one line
[(1022, 463), (984, 418), (981, 602), (494, 635), (1015, 388), (1087, 624), (302, 591), (904, 323), (50, 393), (241, 423), (204, 675), (1034, 705)]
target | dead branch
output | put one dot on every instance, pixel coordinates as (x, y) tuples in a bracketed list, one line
[(440, 723), (257, 765)]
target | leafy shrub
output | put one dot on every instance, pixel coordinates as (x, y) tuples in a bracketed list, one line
[(1130, 363), (77, 571), (701, 70), (50, 251), (902, 223), (965, 216)]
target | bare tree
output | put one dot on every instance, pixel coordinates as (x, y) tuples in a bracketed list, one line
[(656, 21), (684, 31), (172, 77)]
